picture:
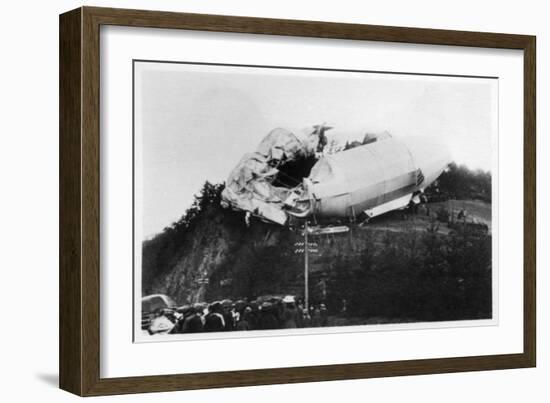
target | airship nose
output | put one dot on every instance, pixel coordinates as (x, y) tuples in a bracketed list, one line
[(431, 155)]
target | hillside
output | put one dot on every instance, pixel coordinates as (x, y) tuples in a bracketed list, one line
[(214, 244)]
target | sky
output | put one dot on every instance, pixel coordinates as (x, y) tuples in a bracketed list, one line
[(194, 122)]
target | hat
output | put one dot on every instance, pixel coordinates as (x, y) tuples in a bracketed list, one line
[(288, 299), (227, 303), (183, 308)]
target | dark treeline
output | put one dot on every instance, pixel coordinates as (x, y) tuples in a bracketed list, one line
[(416, 276), (459, 182)]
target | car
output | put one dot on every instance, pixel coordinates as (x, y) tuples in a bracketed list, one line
[(151, 305)]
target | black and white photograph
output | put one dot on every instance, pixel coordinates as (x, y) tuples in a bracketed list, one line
[(273, 200)]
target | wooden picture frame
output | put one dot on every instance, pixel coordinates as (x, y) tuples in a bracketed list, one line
[(79, 281)]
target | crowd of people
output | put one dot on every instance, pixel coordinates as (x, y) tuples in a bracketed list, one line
[(226, 315)]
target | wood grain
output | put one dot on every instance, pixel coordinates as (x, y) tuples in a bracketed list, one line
[(530, 202), (79, 277), (70, 185)]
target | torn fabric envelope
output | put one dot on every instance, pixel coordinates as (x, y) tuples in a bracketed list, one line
[(249, 186), (283, 145)]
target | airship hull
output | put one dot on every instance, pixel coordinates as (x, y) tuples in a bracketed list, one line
[(382, 175), (372, 179)]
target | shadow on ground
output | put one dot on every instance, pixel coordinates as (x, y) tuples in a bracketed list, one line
[(49, 379)]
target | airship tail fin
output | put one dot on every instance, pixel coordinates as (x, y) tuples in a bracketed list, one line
[(395, 204)]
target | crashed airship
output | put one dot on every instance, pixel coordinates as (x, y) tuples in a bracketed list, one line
[(288, 177)]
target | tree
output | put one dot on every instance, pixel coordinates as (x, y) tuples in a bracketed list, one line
[(459, 182)]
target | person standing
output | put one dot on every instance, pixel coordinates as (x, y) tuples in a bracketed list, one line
[(227, 312), (268, 319), (290, 313), (214, 321), (244, 322), (316, 317), (324, 315), (306, 319), (193, 322)]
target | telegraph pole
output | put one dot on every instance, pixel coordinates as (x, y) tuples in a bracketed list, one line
[(306, 268), (307, 247)]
